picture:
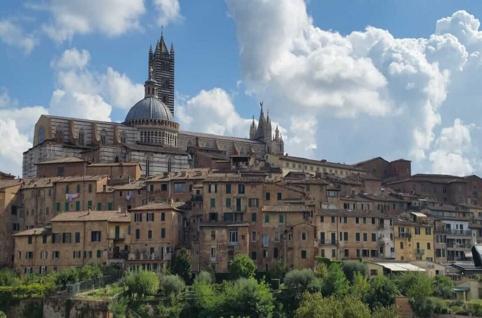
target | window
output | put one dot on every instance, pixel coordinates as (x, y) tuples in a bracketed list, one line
[(163, 187), (228, 187), (212, 203), (267, 196), (357, 237), (266, 218), (333, 219), (253, 236), (281, 218), (253, 202), (55, 254), (275, 252), (56, 238), (180, 187), (66, 206), (77, 206), (77, 237), (253, 255), (66, 237), (109, 206), (99, 206), (428, 246), (149, 235), (44, 239), (137, 217), (347, 254), (374, 237), (233, 236), (428, 231), (333, 253), (303, 236), (401, 245), (138, 234), (322, 219), (150, 217), (241, 188), (99, 253), (357, 220), (228, 203), (279, 196), (365, 237), (30, 239), (95, 236), (163, 216), (253, 217), (303, 254), (417, 230), (212, 188), (345, 236), (213, 252), (89, 204)]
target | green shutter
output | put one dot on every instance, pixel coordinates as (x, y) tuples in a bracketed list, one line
[(77, 205)]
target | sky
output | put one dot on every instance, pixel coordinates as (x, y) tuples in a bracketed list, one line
[(344, 80)]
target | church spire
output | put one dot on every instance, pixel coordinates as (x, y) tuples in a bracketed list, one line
[(252, 129)]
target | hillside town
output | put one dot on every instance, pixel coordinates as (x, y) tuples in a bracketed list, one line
[(135, 194)]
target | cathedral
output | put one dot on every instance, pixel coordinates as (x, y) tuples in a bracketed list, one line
[(149, 134)]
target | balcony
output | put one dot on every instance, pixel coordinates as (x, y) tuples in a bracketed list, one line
[(121, 255), (404, 235), (455, 232), (465, 246), (146, 256)]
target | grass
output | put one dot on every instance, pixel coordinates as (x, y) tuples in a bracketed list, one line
[(108, 291)]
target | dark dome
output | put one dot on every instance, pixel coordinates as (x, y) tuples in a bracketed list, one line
[(147, 109)]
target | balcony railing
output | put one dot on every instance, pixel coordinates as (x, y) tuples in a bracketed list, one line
[(404, 235)]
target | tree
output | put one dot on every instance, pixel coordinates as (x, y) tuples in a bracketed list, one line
[(181, 265), (316, 306), (335, 282), (415, 285), (8, 277), (204, 276), (351, 268), (171, 286), (296, 283), (360, 286), (382, 292), (245, 298), (242, 267), (443, 287), (141, 284)]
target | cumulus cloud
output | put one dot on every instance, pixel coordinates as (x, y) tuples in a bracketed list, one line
[(451, 149), (212, 111), (168, 11), (13, 35), (90, 94), (365, 94), (108, 17)]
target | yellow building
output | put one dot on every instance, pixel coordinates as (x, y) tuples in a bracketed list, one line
[(414, 238)]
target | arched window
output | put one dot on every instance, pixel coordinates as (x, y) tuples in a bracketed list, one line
[(123, 137), (41, 135), (81, 137), (103, 137)]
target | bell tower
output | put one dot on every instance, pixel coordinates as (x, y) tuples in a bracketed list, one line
[(161, 61)]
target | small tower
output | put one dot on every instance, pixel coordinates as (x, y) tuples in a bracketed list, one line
[(252, 130), (260, 134), (150, 86)]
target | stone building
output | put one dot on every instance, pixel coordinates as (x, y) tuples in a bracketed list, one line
[(9, 189), (71, 239), (149, 134), (387, 170), (155, 232)]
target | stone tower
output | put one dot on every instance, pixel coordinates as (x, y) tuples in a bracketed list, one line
[(263, 133), (161, 62)]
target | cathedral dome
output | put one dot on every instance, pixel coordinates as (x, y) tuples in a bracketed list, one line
[(149, 108)]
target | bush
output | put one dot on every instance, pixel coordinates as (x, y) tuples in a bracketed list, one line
[(381, 293), (171, 285), (205, 277), (181, 265), (335, 282), (475, 307), (315, 306), (443, 287), (384, 312)]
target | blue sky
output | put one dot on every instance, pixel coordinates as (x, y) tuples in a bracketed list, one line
[(405, 88)]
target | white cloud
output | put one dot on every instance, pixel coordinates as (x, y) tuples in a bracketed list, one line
[(451, 149), (12, 145), (212, 111), (109, 17), (12, 34), (79, 105), (168, 11), (367, 93), (90, 94)]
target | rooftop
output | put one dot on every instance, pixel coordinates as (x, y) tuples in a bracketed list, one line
[(33, 231), (62, 160), (159, 206), (85, 216)]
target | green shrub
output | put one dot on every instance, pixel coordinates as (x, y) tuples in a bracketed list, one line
[(475, 307)]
